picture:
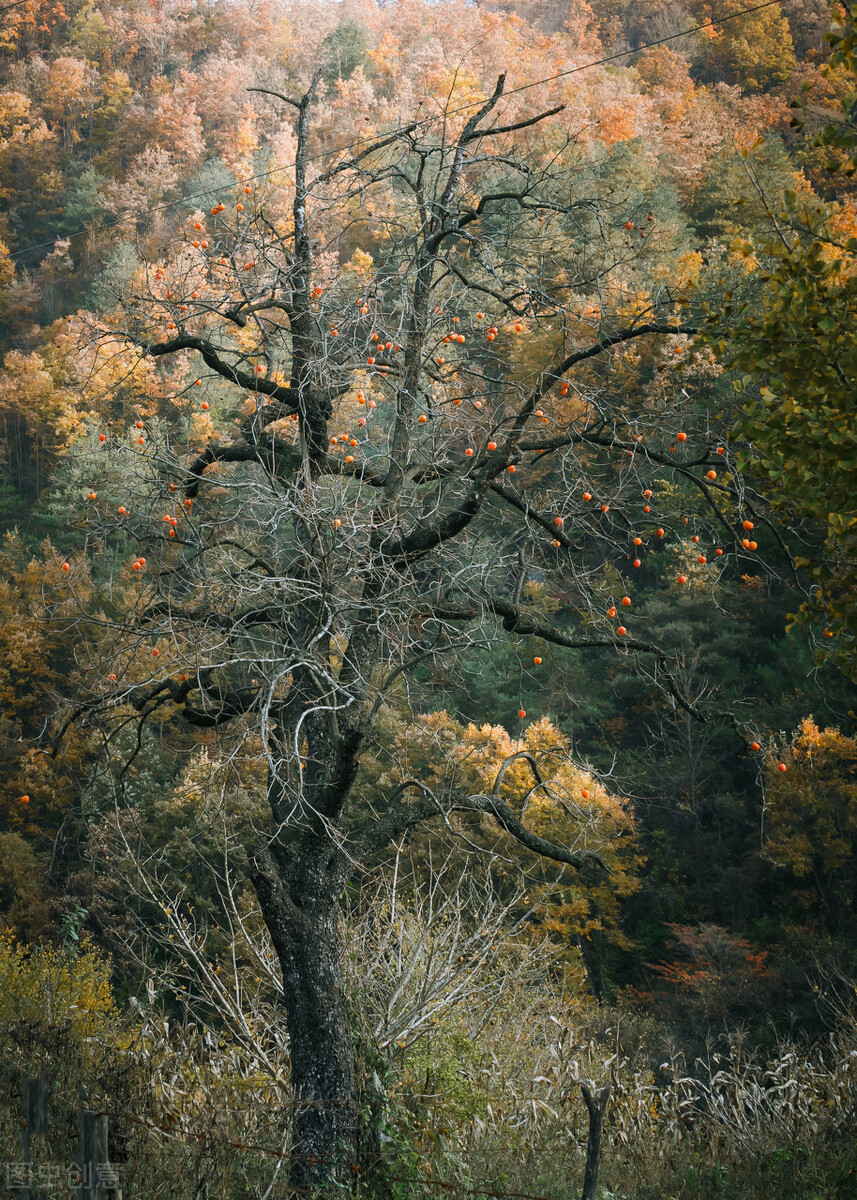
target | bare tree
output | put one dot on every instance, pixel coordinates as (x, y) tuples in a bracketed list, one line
[(414, 436)]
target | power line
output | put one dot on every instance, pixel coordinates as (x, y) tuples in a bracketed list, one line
[(167, 205)]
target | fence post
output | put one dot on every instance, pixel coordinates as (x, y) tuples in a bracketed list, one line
[(596, 1105), (93, 1155), (34, 1103)]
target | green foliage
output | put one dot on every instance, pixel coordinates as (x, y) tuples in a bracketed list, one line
[(755, 51), (794, 351), (841, 135), (113, 283), (344, 50), (84, 201), (89, 31), (793, 347)]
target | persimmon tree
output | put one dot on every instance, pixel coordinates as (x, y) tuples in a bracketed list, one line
[(391, 413)]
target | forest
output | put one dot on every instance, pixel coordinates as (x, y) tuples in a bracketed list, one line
[(428, 599)]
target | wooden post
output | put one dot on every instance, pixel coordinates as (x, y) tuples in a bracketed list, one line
[(34, 1103), (596, 1104), (93, 1155)]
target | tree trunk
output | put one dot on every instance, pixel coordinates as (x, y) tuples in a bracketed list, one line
[(596, 1105), (298, 891)]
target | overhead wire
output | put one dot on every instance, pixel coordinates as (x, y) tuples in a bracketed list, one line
[(364, 141)]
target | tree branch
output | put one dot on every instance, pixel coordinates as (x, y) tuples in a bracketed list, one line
[(399, 818)]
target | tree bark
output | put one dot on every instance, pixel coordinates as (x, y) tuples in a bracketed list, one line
[(298, 893)]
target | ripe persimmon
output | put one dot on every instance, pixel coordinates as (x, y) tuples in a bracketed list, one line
[(66, 567), (681, 437), (522, 713), (621, 631), (537, 661)]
